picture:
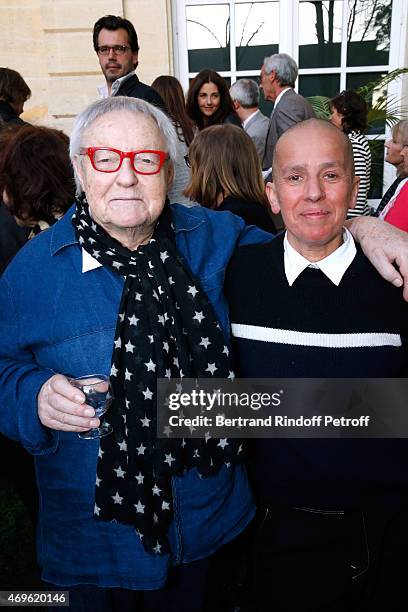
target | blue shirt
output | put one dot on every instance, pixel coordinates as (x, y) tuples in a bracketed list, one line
[(56, 319)]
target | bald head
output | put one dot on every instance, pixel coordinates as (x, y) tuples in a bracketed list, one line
[(313, 186), (302, 133)]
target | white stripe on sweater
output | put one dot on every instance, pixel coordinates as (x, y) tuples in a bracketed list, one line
[(288, 336)]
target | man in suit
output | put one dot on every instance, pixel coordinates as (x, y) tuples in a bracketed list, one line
[(116, 45), (245, 95), (278, 75)]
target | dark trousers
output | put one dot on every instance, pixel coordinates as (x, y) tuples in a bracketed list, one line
[(17, 469), (314, 561), (184, 592)]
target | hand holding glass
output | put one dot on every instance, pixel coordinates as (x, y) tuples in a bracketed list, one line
[(99, 396)]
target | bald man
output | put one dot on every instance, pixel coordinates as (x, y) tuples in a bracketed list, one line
[(333, 532)]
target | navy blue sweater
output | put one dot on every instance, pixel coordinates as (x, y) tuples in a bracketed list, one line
[(320, 473)]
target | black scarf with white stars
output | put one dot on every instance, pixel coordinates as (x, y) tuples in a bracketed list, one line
[(166, 327)]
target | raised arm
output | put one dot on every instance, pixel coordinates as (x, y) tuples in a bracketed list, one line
[(385, 246)]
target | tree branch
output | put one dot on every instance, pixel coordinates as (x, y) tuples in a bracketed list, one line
[(208, 29), (370, 20)]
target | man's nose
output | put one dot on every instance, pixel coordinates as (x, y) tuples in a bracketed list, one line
[(314, 190), (112, 53), (126, 175)]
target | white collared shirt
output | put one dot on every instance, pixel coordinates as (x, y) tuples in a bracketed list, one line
[(103, 89), (334, 266), (248, 119)]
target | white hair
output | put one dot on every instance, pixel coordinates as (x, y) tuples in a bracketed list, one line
[(135, 106), (285, 67), (246, 92)]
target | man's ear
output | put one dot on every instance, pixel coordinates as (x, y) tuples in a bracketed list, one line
[(270, 191), (354, 191), (236, 105), (272, 76), (77, 163)]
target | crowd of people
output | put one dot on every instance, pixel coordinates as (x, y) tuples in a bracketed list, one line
[(150, 253)]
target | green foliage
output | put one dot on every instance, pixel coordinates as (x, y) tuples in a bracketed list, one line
[(385, 109), (367, 90), (321, 106)]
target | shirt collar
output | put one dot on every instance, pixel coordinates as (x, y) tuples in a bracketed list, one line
[(248, 119), (282, 93), (103, 89), (334, 266), (63, 235), (89, 262)]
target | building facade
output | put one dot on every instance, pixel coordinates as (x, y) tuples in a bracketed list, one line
[(338, 44)]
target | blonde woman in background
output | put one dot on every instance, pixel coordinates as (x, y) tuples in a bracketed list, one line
[(226, 175)]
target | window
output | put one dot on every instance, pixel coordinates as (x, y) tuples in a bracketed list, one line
[(230, 36), (338, 44)]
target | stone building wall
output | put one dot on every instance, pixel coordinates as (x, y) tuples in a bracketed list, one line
[(50, 43)]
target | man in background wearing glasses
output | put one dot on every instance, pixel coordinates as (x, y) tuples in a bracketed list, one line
[(116, 45)]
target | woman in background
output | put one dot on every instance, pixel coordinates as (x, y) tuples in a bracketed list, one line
[(14, 92), (12, 237), (37, 187), (393, 156), (209, 101), (36, 177), (395, 210), (172, 93), (349, 113), (226, 175)]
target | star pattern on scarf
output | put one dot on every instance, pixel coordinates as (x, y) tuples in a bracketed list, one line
[(166, 328)]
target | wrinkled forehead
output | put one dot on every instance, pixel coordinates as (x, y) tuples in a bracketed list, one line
[(123, 127)]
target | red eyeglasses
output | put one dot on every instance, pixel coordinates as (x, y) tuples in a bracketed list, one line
[(105, 159)]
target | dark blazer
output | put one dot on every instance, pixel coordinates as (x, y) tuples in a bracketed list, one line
[(8, 114), (133, 88), (12, 237), (253, 213), (291, 108), (233, 119), (388, 195)]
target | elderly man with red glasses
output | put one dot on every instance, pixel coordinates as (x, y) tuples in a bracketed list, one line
[(127, 285)]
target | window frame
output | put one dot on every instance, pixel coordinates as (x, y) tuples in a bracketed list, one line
[(289, 43)]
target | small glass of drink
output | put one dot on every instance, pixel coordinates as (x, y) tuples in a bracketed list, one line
[(99, 396)]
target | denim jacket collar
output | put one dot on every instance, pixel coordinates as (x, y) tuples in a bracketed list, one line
[(185, 220), (62, 233)]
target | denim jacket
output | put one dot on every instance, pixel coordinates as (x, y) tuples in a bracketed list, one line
[(56, 319)]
